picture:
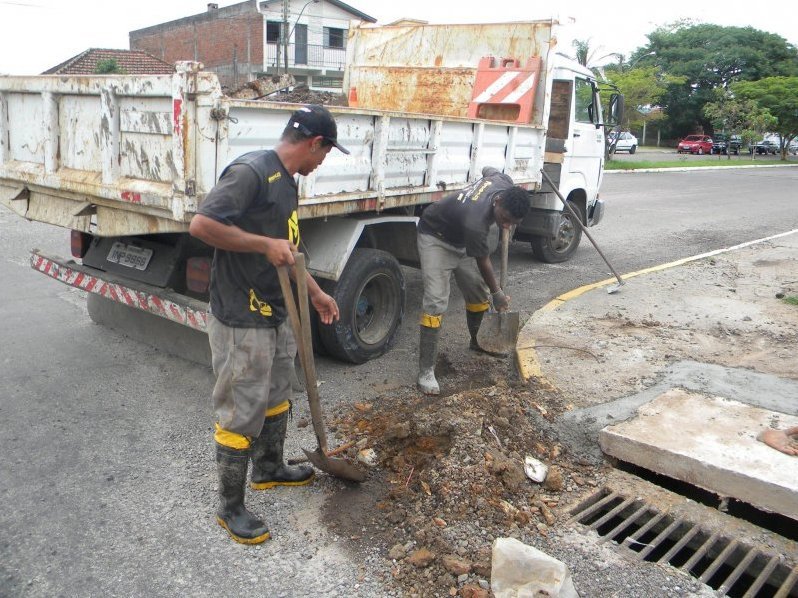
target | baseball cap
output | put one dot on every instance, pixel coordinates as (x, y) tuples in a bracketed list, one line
[(316, 120)]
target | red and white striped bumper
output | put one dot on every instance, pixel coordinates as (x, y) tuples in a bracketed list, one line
[(172, 306)]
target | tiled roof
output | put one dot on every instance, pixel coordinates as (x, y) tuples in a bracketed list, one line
[(131, 62)]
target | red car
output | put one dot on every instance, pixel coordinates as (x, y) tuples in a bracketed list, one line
[(695, 144)]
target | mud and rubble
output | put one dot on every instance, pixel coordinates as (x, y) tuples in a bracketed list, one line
[(450, 477)]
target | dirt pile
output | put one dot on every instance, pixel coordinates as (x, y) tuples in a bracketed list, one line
[(451, 479), (301, 94)]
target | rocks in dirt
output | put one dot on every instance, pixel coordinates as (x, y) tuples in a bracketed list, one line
[(301, 94), (546, 512), (262, 86), (535, 470), (421, 558), (398, 431), (396, 553), (451, 486), (455, 565), (473, 591), (518, 569), (368, 457), (554, 481), (511, 472)]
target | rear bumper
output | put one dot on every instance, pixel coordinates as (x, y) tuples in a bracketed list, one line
[(160, 302)]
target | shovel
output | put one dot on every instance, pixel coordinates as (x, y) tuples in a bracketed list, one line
[(336, 467), (498, 333)]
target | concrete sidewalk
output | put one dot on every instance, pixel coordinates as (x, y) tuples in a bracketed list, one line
[(714, 327)]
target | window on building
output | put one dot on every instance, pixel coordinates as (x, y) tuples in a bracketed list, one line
[(334, 38), (273, 29)]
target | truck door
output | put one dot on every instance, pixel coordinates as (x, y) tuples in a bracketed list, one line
[(584, 158)]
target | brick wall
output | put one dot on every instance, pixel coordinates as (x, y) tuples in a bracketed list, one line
[(228, 41)]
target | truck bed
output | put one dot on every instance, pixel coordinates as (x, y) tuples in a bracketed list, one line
[(125, 155)]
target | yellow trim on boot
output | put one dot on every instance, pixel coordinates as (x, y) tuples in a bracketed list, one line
[(268, 485), (256, 540), (281, 408), (477, 307), (429, 321), (231, 439)]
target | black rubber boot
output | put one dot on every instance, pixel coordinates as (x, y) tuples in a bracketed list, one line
[(474, 321), (268, 468), (427, 356), (242, 525)]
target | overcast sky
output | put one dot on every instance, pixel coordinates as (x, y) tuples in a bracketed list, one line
[(38, 34)]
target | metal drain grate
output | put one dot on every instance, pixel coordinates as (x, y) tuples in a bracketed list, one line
[(729, 566)]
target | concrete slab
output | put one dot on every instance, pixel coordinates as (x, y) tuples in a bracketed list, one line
[(710, 442)]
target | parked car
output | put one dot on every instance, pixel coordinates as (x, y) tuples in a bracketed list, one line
[(724, 144), (626, 142), (695, 144), (793, 147), (766, 146)]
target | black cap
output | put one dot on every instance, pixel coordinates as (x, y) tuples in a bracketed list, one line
[(316, 120)]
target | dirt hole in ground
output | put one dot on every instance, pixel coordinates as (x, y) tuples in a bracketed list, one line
[(447, 478)]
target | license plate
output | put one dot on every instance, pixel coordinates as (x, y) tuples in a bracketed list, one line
[(130, 256)]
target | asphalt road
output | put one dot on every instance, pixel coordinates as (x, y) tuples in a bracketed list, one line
[(107, 482)]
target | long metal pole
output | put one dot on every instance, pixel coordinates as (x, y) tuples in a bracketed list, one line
[(579, 223), (285, 38)]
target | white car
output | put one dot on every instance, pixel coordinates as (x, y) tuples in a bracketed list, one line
[(626, 142)]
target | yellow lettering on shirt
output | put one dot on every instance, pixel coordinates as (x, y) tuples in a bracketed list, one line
[(274, 177), (293, 229), (259, 306)]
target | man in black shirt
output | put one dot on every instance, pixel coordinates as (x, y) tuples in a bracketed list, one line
[(250, 218), (453, 239)]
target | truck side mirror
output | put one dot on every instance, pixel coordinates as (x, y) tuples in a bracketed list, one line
[(615, 115)]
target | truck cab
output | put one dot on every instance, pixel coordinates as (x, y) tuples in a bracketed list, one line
[(574, 160)]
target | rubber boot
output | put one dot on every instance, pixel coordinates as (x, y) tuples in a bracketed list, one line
[(232, 515), (268, 468), (427, 356), (474, 321)]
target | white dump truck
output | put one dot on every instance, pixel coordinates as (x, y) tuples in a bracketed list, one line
[(124, 162)]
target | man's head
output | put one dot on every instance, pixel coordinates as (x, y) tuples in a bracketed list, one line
[(511, 207), (311, 133)]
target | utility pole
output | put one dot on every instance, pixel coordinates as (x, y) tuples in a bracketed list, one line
[(284, 35)]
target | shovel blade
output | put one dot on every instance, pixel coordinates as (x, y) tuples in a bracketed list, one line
[(335, 467), (499, 332)]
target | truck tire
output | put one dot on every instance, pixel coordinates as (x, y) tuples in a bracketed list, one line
[(560, 248), (371, 300)]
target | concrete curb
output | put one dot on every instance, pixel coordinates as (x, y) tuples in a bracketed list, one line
[(698, 168), (526, 357)]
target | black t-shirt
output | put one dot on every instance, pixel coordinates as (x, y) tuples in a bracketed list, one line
[(464, 219), (256, 194)]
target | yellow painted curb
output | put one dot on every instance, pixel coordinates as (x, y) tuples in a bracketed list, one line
[(526, 357)]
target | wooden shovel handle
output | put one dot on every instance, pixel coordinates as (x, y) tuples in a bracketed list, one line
[(505, 251), (301, 328)]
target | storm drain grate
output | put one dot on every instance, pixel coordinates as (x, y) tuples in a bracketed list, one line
[(729, 566)]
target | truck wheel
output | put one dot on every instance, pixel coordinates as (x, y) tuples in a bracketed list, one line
[(371, 300), (562, 247), (633, 149)]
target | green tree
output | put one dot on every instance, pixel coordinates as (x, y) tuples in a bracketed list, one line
[(641, 86), (779, 96), (710, 57), (745, 117), (108, 66), (589, 57)]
